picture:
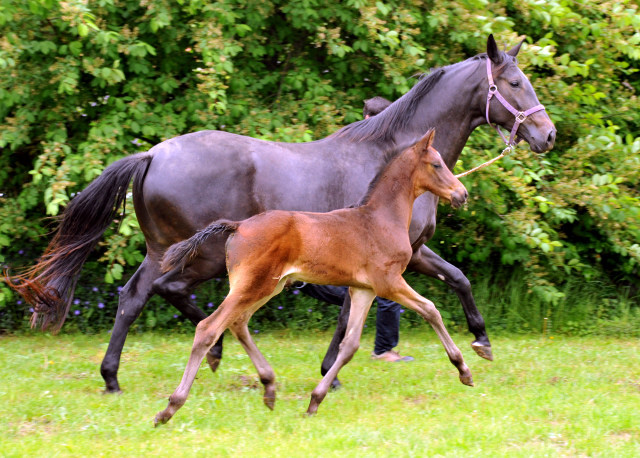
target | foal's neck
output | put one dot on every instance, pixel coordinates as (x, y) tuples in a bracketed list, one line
[(394, 193)]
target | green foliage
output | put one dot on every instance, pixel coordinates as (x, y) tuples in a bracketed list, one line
[(85, 83)]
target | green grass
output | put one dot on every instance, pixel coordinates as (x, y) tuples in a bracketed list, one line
[(556, 396)]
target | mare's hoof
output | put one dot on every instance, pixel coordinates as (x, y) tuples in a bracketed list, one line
[(484, 351), (336, 385), (213, 361), (269, 402), (112, 391), (466, 380)]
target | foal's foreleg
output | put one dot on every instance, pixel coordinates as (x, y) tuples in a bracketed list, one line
[(268, 378), (405, 295), (361, 300)]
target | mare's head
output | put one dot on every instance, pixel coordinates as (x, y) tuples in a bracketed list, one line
[(537, 129), (433, 175)]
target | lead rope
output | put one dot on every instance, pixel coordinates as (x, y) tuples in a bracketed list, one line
[(505, 151)]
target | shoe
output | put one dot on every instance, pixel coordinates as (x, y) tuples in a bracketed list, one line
[(391, 357)]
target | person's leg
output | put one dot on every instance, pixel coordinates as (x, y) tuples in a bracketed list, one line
[(387, 331), (326, 293)]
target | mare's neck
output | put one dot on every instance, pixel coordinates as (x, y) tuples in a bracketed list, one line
[(454, 106)]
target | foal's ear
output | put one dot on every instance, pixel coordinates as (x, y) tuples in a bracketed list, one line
[(425, 142), (492, 50), (513, 52)]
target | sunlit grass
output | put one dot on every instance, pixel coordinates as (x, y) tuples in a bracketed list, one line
[(553, 396)]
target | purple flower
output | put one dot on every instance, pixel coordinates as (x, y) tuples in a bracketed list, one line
[(280, 307), (310, 310), (193, 296), (120, 288), (210, 304), (19, 302), (21, 252), (31, 309), (76, 312), (401, 310), (296, 292), (94, 289), (76, 301), (255, 331), (100, 305), (175, 316)]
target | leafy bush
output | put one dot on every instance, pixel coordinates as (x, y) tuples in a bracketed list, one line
[(83, 84)]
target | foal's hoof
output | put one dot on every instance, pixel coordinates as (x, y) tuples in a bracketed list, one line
[(336, 385), (269, 402), (467, 380), (484, 351), (161, 418), (213, 361)]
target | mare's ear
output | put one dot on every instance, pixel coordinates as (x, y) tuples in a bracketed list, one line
[(425, 142), (492, 50), (513, 52)]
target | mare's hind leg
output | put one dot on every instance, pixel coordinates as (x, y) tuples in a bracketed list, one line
[(268, 378), (402, 293), (133, 297), (338, 336), (176, 288), (427, 262), (361, 300)]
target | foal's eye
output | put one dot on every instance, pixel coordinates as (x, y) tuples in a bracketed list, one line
[(436, 165), (514, 83)]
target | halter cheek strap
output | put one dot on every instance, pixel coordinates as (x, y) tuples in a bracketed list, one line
[(520, 116)]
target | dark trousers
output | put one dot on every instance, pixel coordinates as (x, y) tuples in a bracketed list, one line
[(387, 315)]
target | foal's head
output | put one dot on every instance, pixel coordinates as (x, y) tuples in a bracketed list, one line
[(433, 175)]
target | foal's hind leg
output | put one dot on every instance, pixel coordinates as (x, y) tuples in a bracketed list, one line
[(245, 299), (405, 295), (361, 300), (176, 288), (268, 378)]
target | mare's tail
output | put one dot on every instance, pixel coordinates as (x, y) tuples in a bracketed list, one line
[(49, 285), (179, 254)]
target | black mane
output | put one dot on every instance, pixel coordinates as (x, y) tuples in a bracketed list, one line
[(382, 126)]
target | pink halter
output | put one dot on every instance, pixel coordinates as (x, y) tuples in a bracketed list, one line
[(521, 116)]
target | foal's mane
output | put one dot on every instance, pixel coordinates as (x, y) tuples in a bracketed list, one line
[(381, 128)]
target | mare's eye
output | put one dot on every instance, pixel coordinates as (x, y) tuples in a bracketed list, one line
[(514, 83), (436, 165)]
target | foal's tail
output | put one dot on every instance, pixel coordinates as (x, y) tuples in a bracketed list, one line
[(49, 285), (180, 254)]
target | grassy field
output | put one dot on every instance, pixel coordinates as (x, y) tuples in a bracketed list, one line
[(553, 396)]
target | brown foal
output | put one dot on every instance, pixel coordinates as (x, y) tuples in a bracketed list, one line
[(366, 248)]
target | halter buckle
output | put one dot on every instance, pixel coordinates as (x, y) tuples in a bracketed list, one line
[(493, 89), (521, 117)]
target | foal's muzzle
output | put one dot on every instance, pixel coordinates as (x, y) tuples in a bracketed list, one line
[(459, 197)]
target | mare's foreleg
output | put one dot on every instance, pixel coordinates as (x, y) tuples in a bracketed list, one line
[(361, 300), (427, 262), (405, 295), (133, 297), (268, 378)]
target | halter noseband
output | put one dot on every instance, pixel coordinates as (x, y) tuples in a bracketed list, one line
[(520, 116)]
